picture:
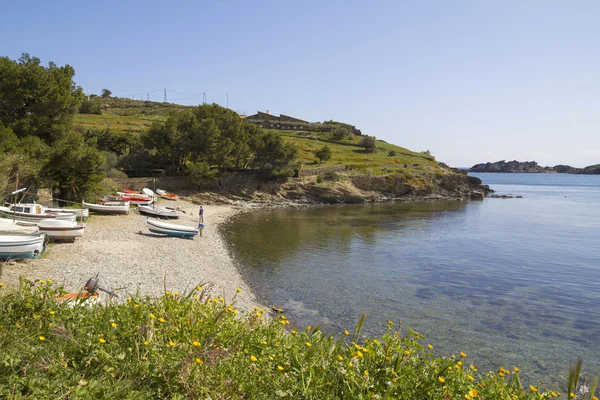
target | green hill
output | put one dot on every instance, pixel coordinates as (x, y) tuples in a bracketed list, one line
[(134, 116)]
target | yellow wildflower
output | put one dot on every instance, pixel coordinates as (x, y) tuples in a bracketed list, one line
[(470, 378), (473, 392), (308, 344), (271, 358), (572, 396), (113, 325), (376, 342), (473, 368), (264, 342), (359, 354), (390, 322), (553, 394), (196, 344), (532, 389), (308, 328), (346, 332), (294, 331), (340, 358), (146, 343), (516, 370), (253, 359), (152, 316), (168, 293), (161, 319), (238, 290), (442, 380), (429, 346), (102, 341), (172, 344), (366, 373), (279, 367), (48, 280), (52, 312), (198, 361), (222, 300), (1, 284), (42, 338), (462, 354)]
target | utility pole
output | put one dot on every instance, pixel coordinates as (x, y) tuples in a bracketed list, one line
[(204, 98), (165, 95), (88, 95), (147, 96)]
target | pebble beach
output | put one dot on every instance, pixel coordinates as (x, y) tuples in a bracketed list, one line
[(129, 259)]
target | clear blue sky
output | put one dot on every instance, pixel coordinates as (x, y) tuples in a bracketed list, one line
[(471, 81)]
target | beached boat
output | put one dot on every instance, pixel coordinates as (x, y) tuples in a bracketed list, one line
[(21, 246), (159, 212), (166, 195), (8, 227), (81, 214), (33, 212), (164, 228), (109, 207), (61, 231), (136, 199)]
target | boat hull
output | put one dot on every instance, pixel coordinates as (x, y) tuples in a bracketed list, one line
[(160, 212), (170, 229), (61, 231), (108, 209), (23, 216), (17, 247)]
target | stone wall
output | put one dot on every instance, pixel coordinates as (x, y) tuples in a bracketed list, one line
[(322, 170), (169, 183)]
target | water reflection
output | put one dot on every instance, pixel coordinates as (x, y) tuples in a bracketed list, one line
[(497, 279)]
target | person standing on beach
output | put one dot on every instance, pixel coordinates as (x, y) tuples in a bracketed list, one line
[(201, 218)]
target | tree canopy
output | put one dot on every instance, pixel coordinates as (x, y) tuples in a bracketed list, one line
[(37, 105)]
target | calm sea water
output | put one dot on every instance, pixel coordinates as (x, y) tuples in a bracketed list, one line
[(512, 282)]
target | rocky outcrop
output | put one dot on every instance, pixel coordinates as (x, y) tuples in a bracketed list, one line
[(510, 167), (532, 167), (592, 169)]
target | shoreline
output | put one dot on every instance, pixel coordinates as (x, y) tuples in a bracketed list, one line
[(130, 259)]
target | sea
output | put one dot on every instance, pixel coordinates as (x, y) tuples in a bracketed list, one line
[(511, 282)]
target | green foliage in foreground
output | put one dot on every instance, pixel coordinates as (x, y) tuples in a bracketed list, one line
[(190, 346)]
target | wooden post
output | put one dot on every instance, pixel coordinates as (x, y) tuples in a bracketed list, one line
[(15, 203)]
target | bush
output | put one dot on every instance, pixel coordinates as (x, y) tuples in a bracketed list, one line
[(90, 107), (323, 154), (392, 153), (340, 133), (369, 143), (192, 346)]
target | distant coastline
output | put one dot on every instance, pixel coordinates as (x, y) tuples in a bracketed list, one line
[(531, 167)]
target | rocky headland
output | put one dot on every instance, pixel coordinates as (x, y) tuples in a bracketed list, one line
[(531, 167)]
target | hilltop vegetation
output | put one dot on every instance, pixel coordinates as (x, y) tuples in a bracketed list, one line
[(51, 135)]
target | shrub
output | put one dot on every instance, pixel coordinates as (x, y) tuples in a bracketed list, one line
[(323, 154), (369, 143), (392, 153), (193, 346), (90, 107)]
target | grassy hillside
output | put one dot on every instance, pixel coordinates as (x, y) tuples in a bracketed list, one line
[(124, 115)]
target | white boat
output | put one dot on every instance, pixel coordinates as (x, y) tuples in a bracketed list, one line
[(164, 228), (159, 212), (166, 195), (61, 231), (8, 227), (108, 207), (20, 246), (80, 213), (33, 212)]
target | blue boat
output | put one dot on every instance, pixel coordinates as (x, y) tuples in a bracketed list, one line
[(20, 246)]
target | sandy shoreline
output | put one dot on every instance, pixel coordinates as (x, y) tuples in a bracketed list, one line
[(129, 258)]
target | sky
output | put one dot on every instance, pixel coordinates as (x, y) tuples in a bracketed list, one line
[(470, 81)]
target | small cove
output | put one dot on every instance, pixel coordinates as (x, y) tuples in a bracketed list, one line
[(512, 282)]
